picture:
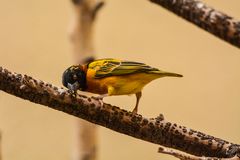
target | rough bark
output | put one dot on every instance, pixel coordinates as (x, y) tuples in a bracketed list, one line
[(184, 156), (218, 23), (155, 130)]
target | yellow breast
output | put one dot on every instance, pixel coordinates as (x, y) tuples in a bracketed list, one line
[(118, 85)]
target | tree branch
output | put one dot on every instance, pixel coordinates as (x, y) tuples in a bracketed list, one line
[(184, 156), (81, 29), (220, 24), (155, 130), (81, 35)]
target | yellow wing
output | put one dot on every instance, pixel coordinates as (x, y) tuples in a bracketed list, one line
[(113, 67)]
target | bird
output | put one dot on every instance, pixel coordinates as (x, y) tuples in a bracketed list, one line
[(110, 77)]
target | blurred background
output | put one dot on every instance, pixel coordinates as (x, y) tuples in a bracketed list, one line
[(34, 41)]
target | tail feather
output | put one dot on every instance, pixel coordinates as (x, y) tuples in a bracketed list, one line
[(167, 74)]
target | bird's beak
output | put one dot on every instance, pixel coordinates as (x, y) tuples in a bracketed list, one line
[(73, 87)]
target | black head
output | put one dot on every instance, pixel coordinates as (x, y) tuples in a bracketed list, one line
[(74, 78)]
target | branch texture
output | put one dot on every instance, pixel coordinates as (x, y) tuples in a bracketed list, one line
[(155, 130), (184, 156), (220, 24)]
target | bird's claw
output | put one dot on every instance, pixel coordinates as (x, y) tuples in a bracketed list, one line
[(99, 98), (134, 112), (73, 93)]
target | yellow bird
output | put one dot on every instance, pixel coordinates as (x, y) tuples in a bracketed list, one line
[(108, 77)]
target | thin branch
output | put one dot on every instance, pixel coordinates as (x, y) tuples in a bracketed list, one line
[(155, 130), (81, 28), (98, 6), (184, 156), (220, 24), (81, 36)]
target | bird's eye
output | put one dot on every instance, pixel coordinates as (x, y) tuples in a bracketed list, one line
[(74, 77)]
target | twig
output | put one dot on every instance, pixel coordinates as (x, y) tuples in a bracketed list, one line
[(155, 130), (81, 36), (184, 156), (220, 24), (81, 29)]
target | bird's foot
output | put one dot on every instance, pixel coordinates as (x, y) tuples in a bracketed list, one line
[(100, 97), (73, 93), (135, 110), (97, 98)]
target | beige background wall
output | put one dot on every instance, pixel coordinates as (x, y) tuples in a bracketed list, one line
[(33, 40)]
